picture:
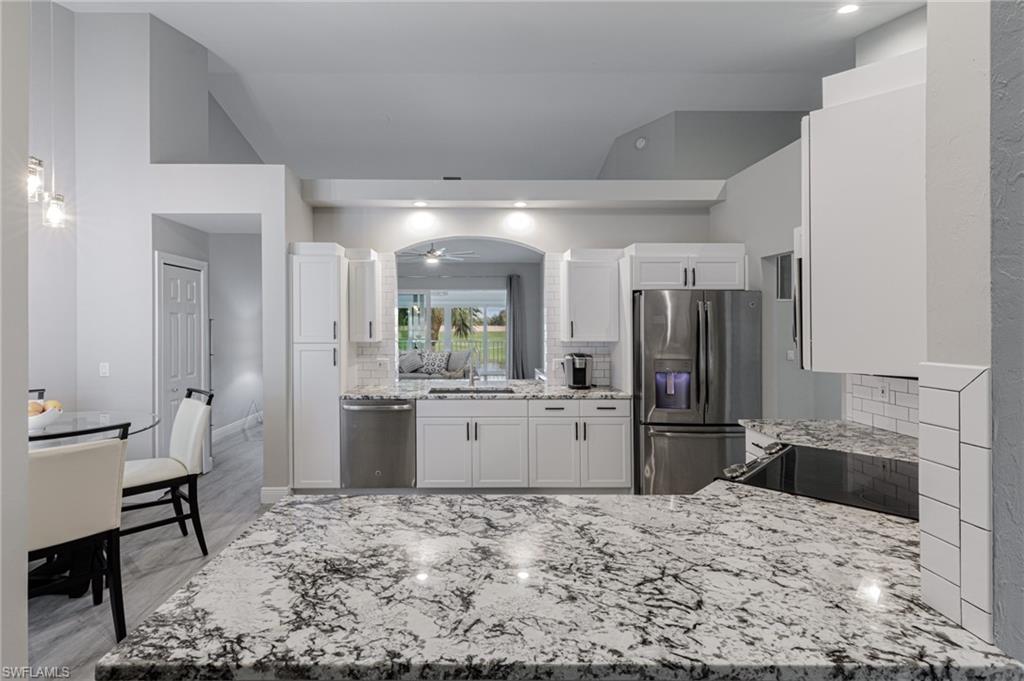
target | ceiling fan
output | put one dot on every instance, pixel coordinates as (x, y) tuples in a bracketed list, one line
[(434, 255)]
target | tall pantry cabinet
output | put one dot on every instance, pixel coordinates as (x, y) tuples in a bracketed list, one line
[(319, 278)]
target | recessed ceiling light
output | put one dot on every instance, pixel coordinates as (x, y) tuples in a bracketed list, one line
[(519, 204), (419, 204), (848, 9), (640, 142)]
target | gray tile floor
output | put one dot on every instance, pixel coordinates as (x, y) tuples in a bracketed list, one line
[(72, 633)]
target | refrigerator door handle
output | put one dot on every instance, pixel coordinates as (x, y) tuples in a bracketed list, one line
[(699, 364), (708, 360)]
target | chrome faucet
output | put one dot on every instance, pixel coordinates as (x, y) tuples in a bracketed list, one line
[(472, 368)]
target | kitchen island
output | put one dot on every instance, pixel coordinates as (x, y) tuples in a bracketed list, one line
[(731, 583)]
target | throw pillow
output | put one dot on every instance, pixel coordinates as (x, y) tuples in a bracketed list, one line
[(458, 361), (410, 362), (435, 362)]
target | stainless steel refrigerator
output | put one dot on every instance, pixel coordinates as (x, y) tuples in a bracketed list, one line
[(697, 371)]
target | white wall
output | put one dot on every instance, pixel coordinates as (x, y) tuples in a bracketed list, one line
[(488, 276), (173, 237), (391, 229), (700, 145), (227, 143), (14, 107), (178, 116), (899, 36), (236, 308), (52, 252), (761, 209), (957, 184)]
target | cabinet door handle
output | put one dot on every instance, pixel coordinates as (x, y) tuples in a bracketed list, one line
[(572, 330), (686, 276), (694, 277), (335, 331), (371, 329), (335, 360), (476, 431), (577, 430), (467, 431), (584, 430)]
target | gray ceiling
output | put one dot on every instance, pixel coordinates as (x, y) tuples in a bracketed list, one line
[(489, 250), (514, 90)]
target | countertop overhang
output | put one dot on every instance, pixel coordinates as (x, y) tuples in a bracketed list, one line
[(844, 436), (733, 583)]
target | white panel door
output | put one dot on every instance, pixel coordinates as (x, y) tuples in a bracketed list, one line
[(590, 301), (181, 352), (718, 272), (500, 452), (554, 452), (605, 454), (316, 440), (444, 452), (316, 288), (867, 235)]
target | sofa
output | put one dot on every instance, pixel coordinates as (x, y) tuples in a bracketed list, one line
[(457, 366)]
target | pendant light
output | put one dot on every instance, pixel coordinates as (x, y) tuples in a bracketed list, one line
[(35, 179), (56, 212)]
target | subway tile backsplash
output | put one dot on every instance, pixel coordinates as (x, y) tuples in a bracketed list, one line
[(882, 402)]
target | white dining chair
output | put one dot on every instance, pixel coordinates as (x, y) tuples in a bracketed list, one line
[(181, 466), (74, 511)]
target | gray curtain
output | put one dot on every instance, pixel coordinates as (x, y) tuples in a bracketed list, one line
[(516, 328)]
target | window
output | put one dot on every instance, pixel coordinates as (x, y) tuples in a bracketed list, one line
[(784, 277), (453, 320)]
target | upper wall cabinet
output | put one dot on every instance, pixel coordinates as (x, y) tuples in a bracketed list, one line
[(365, 300), (316, 294), (689, 266), (863, 273), (590, 300)]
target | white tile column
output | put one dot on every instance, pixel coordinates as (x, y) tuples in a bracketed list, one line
[(955, 487)]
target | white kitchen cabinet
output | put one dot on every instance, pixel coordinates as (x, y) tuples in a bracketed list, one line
[(444, 452), (605, 459), (316, 298), (864, 265), (690, 266), (316, 387), (554, 452), (365, 301), (500, 452), (590, 301)]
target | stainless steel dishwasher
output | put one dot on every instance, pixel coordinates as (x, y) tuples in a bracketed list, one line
[(378, 443)]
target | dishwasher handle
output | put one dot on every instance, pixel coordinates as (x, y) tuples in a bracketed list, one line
[(384, 407)]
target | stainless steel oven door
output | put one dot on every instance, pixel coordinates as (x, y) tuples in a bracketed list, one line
[(684, 459)]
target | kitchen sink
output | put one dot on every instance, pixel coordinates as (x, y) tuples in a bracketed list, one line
[(483, 390)]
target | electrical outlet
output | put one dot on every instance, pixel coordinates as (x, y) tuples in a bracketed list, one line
[(381, 364), (791, 355), (883, 393), (104, 369)]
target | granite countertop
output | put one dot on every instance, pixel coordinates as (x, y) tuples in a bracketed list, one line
[(732, 583), (523, 390), (842, 435)]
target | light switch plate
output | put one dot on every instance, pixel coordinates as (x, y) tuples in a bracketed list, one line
[(791, 355), (104, 368)]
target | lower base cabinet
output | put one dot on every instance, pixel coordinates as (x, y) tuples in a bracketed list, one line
[(604, 459), (557, 448), (554, 452), (463, 452)]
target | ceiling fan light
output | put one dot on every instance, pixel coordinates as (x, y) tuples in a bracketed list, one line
[(431, 260)]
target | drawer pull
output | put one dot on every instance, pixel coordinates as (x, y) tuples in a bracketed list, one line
[(607, 408), (554, 408)]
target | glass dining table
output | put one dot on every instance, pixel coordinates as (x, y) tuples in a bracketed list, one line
[(71, 424)]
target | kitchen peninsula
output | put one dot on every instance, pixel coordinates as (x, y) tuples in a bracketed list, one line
[(733, 582)]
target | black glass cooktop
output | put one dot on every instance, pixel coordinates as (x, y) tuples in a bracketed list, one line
[(870, 482)]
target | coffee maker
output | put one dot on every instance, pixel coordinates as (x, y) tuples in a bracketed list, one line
[(579, 370)]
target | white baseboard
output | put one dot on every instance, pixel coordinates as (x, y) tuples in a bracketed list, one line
[(272, 495), (235, 426)]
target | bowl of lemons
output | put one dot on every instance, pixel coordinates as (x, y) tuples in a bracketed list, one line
[(42, 413)]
